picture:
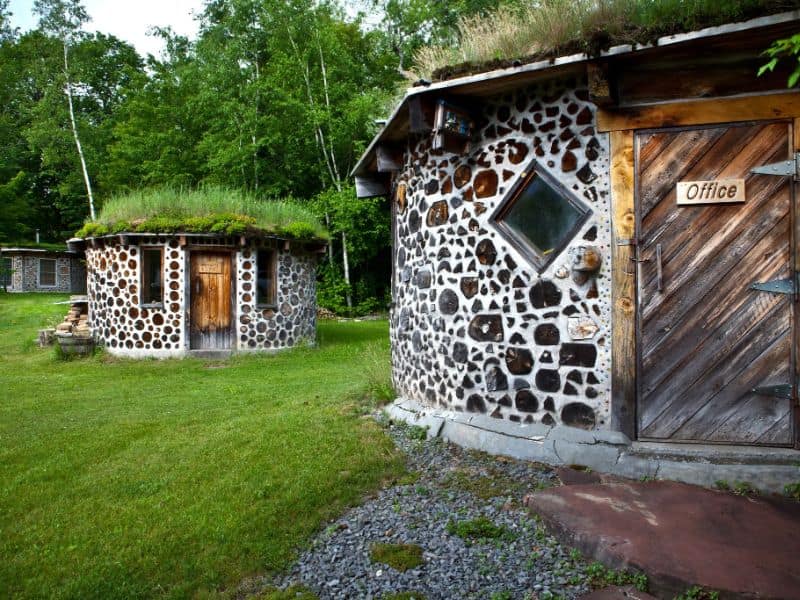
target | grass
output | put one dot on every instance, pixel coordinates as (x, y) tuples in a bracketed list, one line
[(205, 210), (400, 557), (127, 479), (480, 528), (528, 31)]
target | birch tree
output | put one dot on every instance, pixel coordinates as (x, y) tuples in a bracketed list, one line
[(63, 19)]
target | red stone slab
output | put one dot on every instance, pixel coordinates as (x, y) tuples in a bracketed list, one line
[(682, 535)]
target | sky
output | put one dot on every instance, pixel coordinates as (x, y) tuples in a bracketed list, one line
[(128, 20)]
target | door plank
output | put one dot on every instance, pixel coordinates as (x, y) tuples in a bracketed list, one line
[(706, 340), (719, 373), (702, 295), (210, 306)]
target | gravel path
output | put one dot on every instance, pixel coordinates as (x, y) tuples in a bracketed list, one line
[(452, 486)]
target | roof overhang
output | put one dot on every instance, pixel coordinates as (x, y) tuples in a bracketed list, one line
[(372, 175)]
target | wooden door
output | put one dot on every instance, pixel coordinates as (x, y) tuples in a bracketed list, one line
[(706, 339), (210, 321)]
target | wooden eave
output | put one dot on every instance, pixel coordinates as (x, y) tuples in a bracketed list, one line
[(232, 241), (758, 32)]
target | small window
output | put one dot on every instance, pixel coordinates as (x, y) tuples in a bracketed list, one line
[(265, 279), (47, 272), (540, 217), (5, 273), (152, 281)]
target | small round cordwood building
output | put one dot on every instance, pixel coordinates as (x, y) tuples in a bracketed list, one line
[(166, 279)]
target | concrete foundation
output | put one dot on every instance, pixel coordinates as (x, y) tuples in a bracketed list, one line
[(768, 469)]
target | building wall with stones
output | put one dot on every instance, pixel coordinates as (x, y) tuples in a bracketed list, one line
[(293, 320), (70, 273), (475, 326), (127, 328)]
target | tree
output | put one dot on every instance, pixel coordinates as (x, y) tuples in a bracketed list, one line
[(63, 19), (780, 49)]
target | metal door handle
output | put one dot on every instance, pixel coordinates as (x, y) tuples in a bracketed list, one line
[(659, 273), (197, 287)]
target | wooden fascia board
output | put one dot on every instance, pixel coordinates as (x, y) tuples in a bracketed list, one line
[(780, 105)]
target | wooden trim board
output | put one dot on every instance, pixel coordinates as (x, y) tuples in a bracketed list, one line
[(700, 112), (623, 285)]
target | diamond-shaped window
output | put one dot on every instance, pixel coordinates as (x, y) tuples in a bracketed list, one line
[(539, 216)]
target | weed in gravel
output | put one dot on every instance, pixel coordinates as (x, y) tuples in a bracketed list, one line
[(600, 576), (493, 484), (698, 593), (503, 595), (400, 557), (295, 592), (404, 596), (479, 528), (792, 490)]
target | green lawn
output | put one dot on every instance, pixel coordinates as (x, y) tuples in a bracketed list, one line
[(123, 479)]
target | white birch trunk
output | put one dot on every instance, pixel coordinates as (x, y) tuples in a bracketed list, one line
[(75, 135)]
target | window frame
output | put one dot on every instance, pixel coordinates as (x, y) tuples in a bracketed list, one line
[(143, 250), (273, 266), (519, 241), (39, 273)]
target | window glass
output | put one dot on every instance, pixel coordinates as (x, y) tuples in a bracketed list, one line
[(265, 279), (47, 272), (152, 284), (541, 218), (5, 273)]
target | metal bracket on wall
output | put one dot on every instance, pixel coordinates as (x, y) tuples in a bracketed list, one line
[(783, 390), (776, 286), (784, 168)]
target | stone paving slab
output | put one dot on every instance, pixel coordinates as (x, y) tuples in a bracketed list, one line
[(681, 535)]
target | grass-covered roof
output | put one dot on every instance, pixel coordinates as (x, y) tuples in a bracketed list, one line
[(521, 32), (206, 210)]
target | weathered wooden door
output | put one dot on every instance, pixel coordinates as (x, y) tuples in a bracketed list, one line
[(210, 321), (707, 340)]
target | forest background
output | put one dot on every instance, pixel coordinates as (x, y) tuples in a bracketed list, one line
[(275, 97)]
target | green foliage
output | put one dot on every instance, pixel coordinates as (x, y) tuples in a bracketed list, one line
[(206, 210), (740, 488), (403, 596), (600, 576), (221, 472), (792, 490), (480, 528), (400, 557), (504, 595), (780, 49), (698, 593), (293, 592)]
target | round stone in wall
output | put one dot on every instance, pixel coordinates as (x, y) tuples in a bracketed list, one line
[(578, 414), (519, 361), (448, 302)]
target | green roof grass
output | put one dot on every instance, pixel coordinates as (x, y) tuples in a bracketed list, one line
[(522, 32), (207, 210)]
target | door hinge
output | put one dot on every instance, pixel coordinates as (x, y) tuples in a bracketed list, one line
[(776, 286), (783, 391), (784, 168)]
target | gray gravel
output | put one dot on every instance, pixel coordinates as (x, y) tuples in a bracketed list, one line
[(525, 563)]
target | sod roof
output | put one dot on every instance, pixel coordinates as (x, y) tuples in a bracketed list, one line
[(208, 210), (521, 34)]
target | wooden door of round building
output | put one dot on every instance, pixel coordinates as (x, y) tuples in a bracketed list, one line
[(210, 321), (716, 352)]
